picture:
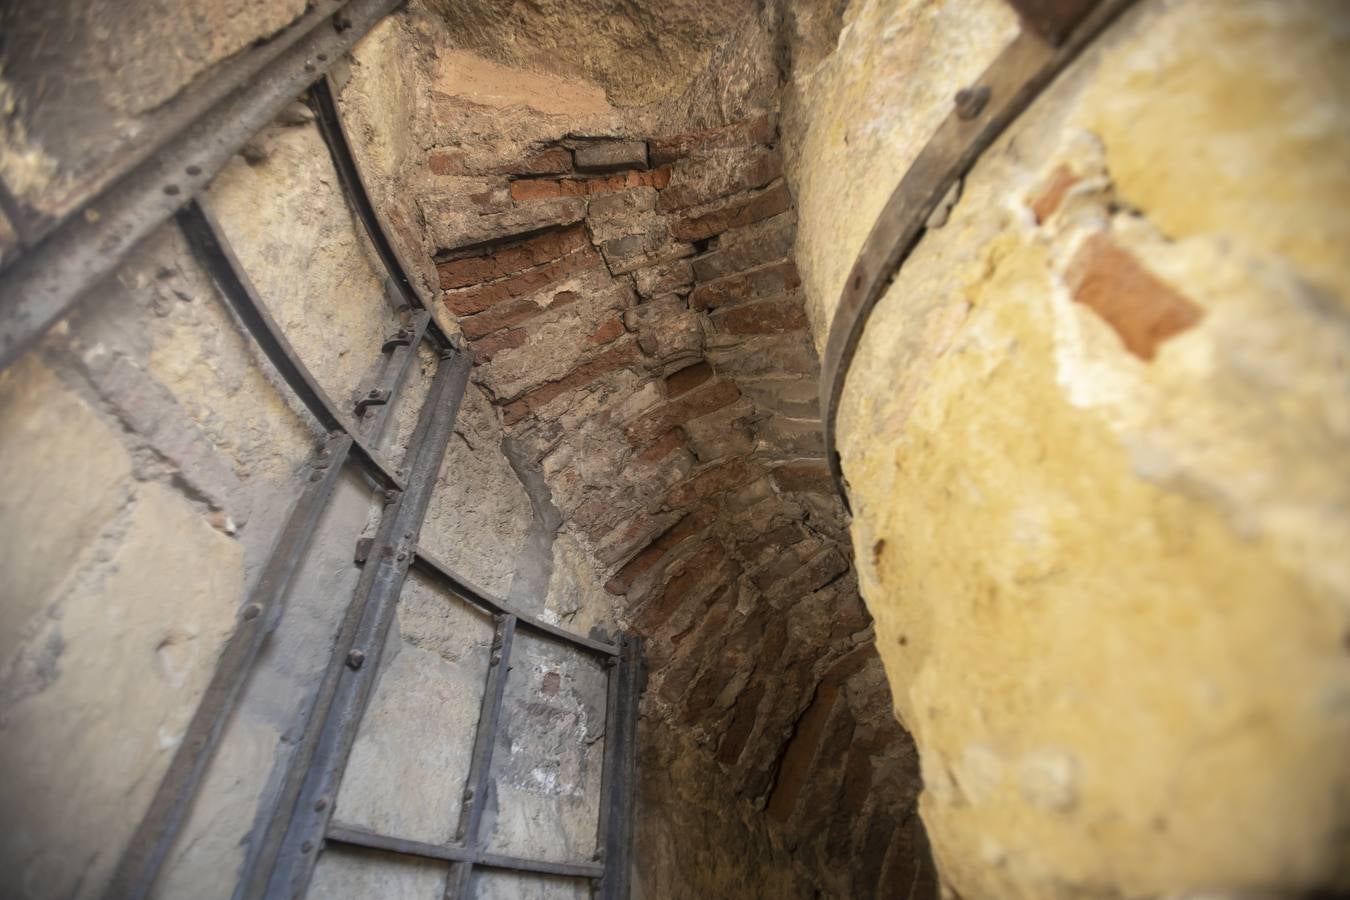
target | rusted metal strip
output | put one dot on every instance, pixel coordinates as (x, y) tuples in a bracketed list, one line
[(615, 884), (358, 196), (343, 698), (400, 352), (210, 247), (150, 845), (462, 587), (45, 282), (480, 763), (982, 112), (359, 837)]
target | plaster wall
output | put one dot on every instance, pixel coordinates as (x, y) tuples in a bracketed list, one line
[(1096, 439)]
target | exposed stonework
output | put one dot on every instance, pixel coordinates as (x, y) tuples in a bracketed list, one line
[(614, 338)]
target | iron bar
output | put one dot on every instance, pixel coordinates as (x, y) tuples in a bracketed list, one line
[(353, 185), (154, 836), (480, 764), (1005, 89), (618, 846), (398, 358), (45, 282), (608, 771), (209, 245), (359, 837), (336, 717), (462, 587)]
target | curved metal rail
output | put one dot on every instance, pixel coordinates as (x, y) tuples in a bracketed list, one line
[(981, 113)]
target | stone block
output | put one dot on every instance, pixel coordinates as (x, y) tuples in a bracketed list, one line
[(773, 316), (741, 210), (601, 156), (699, 402), (748, 248), (775, 278)]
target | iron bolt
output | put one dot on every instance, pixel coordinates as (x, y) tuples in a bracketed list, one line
[(599, 854), (355, 659), (374, 393), (970, 101), (496, 658), (306, 846), (610, 662), (402, 555), (252, 610), (321, 804), (468, 794)]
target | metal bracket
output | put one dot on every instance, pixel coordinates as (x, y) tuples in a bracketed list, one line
[(401, 338), (373, 397)]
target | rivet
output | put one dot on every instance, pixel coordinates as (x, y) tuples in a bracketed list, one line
[(193, 170), (402, 555), (468, 793), (355, 659), (374, 392), (970, 101), (306, 846), (316, 475), (322, 57), (171, 190), (321, 804), (252, 610), (496, 658), (309, 66)]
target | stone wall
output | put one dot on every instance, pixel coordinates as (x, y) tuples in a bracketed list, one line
[(1095, 436), (636, 315)]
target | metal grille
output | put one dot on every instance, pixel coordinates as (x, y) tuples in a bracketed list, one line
[(48, 279)]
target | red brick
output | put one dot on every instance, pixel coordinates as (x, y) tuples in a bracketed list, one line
[(708, 570), (771, 543), (1052, 193), (764, 317), (606, 332), (740, 211), (550, 161), (807, 478), (614, 358), (650, 555), (737, 134), (502, 315), (687, 379), (774, 278), (743, 720), (548, 188), (446, 162), (658, 451), (717, 479), (676, 412), (470, 300), (490, 346), (800, 754), (1143, 310), (507, 259)]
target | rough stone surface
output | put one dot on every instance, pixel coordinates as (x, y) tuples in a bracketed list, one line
[(1108, 427)]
